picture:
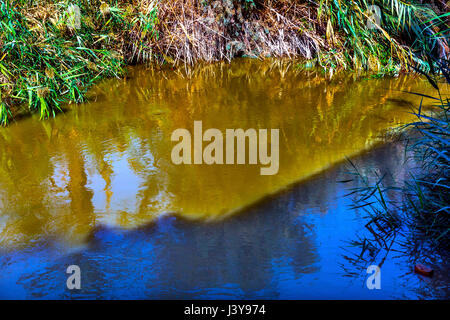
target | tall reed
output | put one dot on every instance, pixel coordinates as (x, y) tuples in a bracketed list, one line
[(413, 213)]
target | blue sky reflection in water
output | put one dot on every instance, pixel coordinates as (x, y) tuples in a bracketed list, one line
[(287, 247)]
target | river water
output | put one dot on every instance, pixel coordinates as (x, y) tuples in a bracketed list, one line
[(96, 187)]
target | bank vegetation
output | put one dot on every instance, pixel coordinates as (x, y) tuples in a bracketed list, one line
[(53, 51)]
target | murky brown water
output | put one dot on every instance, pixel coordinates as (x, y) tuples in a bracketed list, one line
[(108, 162)]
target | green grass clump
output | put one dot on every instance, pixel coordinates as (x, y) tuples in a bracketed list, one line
[(53, 51), (406, 31)]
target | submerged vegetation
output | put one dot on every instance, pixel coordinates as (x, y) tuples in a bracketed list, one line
[(52, 51)]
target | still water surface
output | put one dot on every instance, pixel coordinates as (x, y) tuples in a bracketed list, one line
[(96, 187)]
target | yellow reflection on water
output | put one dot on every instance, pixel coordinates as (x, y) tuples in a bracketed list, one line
[(108, 161)]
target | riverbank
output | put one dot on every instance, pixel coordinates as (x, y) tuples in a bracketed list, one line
[(53, 51)]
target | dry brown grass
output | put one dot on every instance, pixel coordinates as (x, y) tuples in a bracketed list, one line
[(190, 31)]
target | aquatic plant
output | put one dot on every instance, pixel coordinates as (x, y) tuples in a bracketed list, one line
[(414, 212)]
